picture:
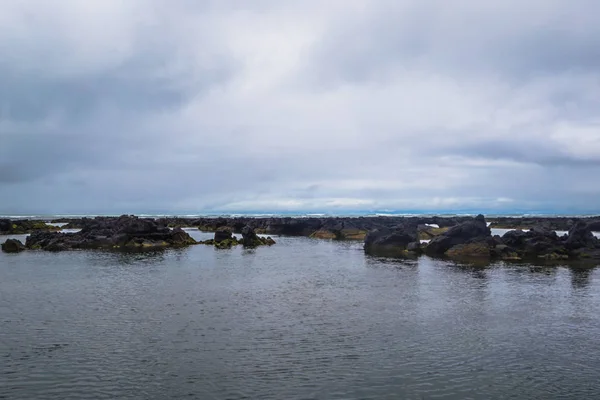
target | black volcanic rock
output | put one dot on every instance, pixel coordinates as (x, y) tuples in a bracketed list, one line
[(223, 233), (466, 235), (122, 233), (343, 228), (20, 227), (594, 225), (12, 246), (5, 225), (391, 241), (251, 239), (535, 243), (580, 235), (458, 235)]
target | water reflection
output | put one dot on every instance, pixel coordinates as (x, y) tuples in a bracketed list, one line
[(302, 319), (391, 262), (580, 277), (548, 270), (125, 258)]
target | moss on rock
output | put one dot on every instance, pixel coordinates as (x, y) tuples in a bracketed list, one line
[(323, 234)]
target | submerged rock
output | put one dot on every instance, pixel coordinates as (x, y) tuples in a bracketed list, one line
[(226, 244), (13, 246)]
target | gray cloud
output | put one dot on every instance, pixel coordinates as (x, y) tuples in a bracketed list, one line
[(192, 106), (513, 40)]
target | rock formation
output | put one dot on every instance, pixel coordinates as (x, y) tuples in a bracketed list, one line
[(123, 233), (13, 246)]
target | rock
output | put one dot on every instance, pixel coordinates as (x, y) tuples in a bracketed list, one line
[(223, 233), (390, 242), (20, 227), (587, 253), (339, 232), (251, 239), (580, 235), (13, 246), (352, 234), (414, 247), (427, 232), (226, 244), (459, 234), (594, 225), (504, 252), (478, 249), (122, 233), (515, 238), (5, 225), (179, 237), (345, 228), (538, 242), (323, 234)]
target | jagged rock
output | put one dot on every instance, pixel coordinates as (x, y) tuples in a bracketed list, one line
[(5, 225), (345, 228), (21, 227), (459, 234), (223, 233), (539, 242), (426, 232), (268, 241), (13, 246), (580, 235), (251, 239), (124, 233), (594, 225), (390, 242)]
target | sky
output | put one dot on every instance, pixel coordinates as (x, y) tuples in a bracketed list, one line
[(191, 106)]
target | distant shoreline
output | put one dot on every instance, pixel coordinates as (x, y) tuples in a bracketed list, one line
[(461, 236), (490, 216)]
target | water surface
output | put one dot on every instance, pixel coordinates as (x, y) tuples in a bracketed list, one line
[(304, 319)]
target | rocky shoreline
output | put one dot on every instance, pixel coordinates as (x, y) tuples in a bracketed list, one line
[(532, 238), (24, 226), (127, 233), (472, 240), (347, 228)]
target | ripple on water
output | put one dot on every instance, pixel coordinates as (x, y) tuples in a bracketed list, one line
[(302, 319)]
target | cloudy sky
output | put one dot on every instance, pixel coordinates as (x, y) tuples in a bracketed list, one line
[(110, 106)]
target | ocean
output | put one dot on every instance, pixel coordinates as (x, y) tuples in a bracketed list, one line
[(300, 214), (303, 319)]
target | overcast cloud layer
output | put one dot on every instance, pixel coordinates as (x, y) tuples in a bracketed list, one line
[(110, 106)]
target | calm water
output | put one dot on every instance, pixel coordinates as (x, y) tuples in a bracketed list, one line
[(304, 319)]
